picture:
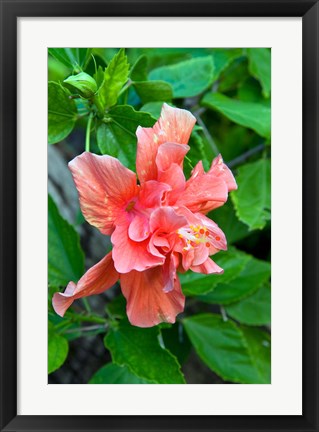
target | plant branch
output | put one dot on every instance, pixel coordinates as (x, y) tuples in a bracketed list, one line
[(223, 314), (88, 133), (86, 318), (207, 134), (87, 328), (242, 158), (126, 87), (86, 304)]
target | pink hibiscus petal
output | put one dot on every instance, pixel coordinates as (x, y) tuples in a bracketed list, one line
[(203, 194), (96, 280), (201, 253), (131, 255), (198, 170), (208, 267), (62, 301), (147, 303), (216, 235), (159, 242), (174, 177), (220, 170), (170, 153), (166, 220), (187, 259), (169, 273), (139, 228), (151, 193), (164, 223), (174, 125), (105, 187)]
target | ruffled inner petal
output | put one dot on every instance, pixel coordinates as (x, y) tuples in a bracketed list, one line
[(174, 125), (207, 267), (219, 169), (129, 254), (203, 194)]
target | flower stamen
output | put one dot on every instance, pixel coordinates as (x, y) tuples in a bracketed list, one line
[(194, 236)]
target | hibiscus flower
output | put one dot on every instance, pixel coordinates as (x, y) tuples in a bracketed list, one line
[(158, 225)]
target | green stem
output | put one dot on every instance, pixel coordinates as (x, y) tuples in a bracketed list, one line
[(86, 305), (88, 328), (126, 87), (99, 106), (208, 136), (88, 133), (62, 325), (85, 318)]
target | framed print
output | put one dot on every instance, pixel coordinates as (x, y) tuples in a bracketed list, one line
[(161, 178)]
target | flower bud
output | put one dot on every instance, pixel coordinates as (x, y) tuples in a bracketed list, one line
[(84, 83)]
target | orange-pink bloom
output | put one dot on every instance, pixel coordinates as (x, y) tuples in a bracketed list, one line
[(157, 226)]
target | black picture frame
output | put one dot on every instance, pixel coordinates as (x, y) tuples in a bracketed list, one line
[(10, 11)]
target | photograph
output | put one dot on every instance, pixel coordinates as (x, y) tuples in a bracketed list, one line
[(159, 219), (159, 215)]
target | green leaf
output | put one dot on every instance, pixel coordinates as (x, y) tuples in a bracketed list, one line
[(117, 307), (233, 353), (253, 310), (66, 258), (251, 91), (105, 53), (176, 341), (252, 200), (253, 275), (150, 91), (225, 217), (115, 76), (83, 83), (162, 56), (223, 57), (199, 150), (260, 67), (74, 58), (188, 78), (251, 115), (232, 139), (114, 374), (153, 108), (58, 349), (139, 69), (62, 113), (259, 346), (56, 70), (140, 351), (233, 76), (117, 137), (232, 261), (99, 76)]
